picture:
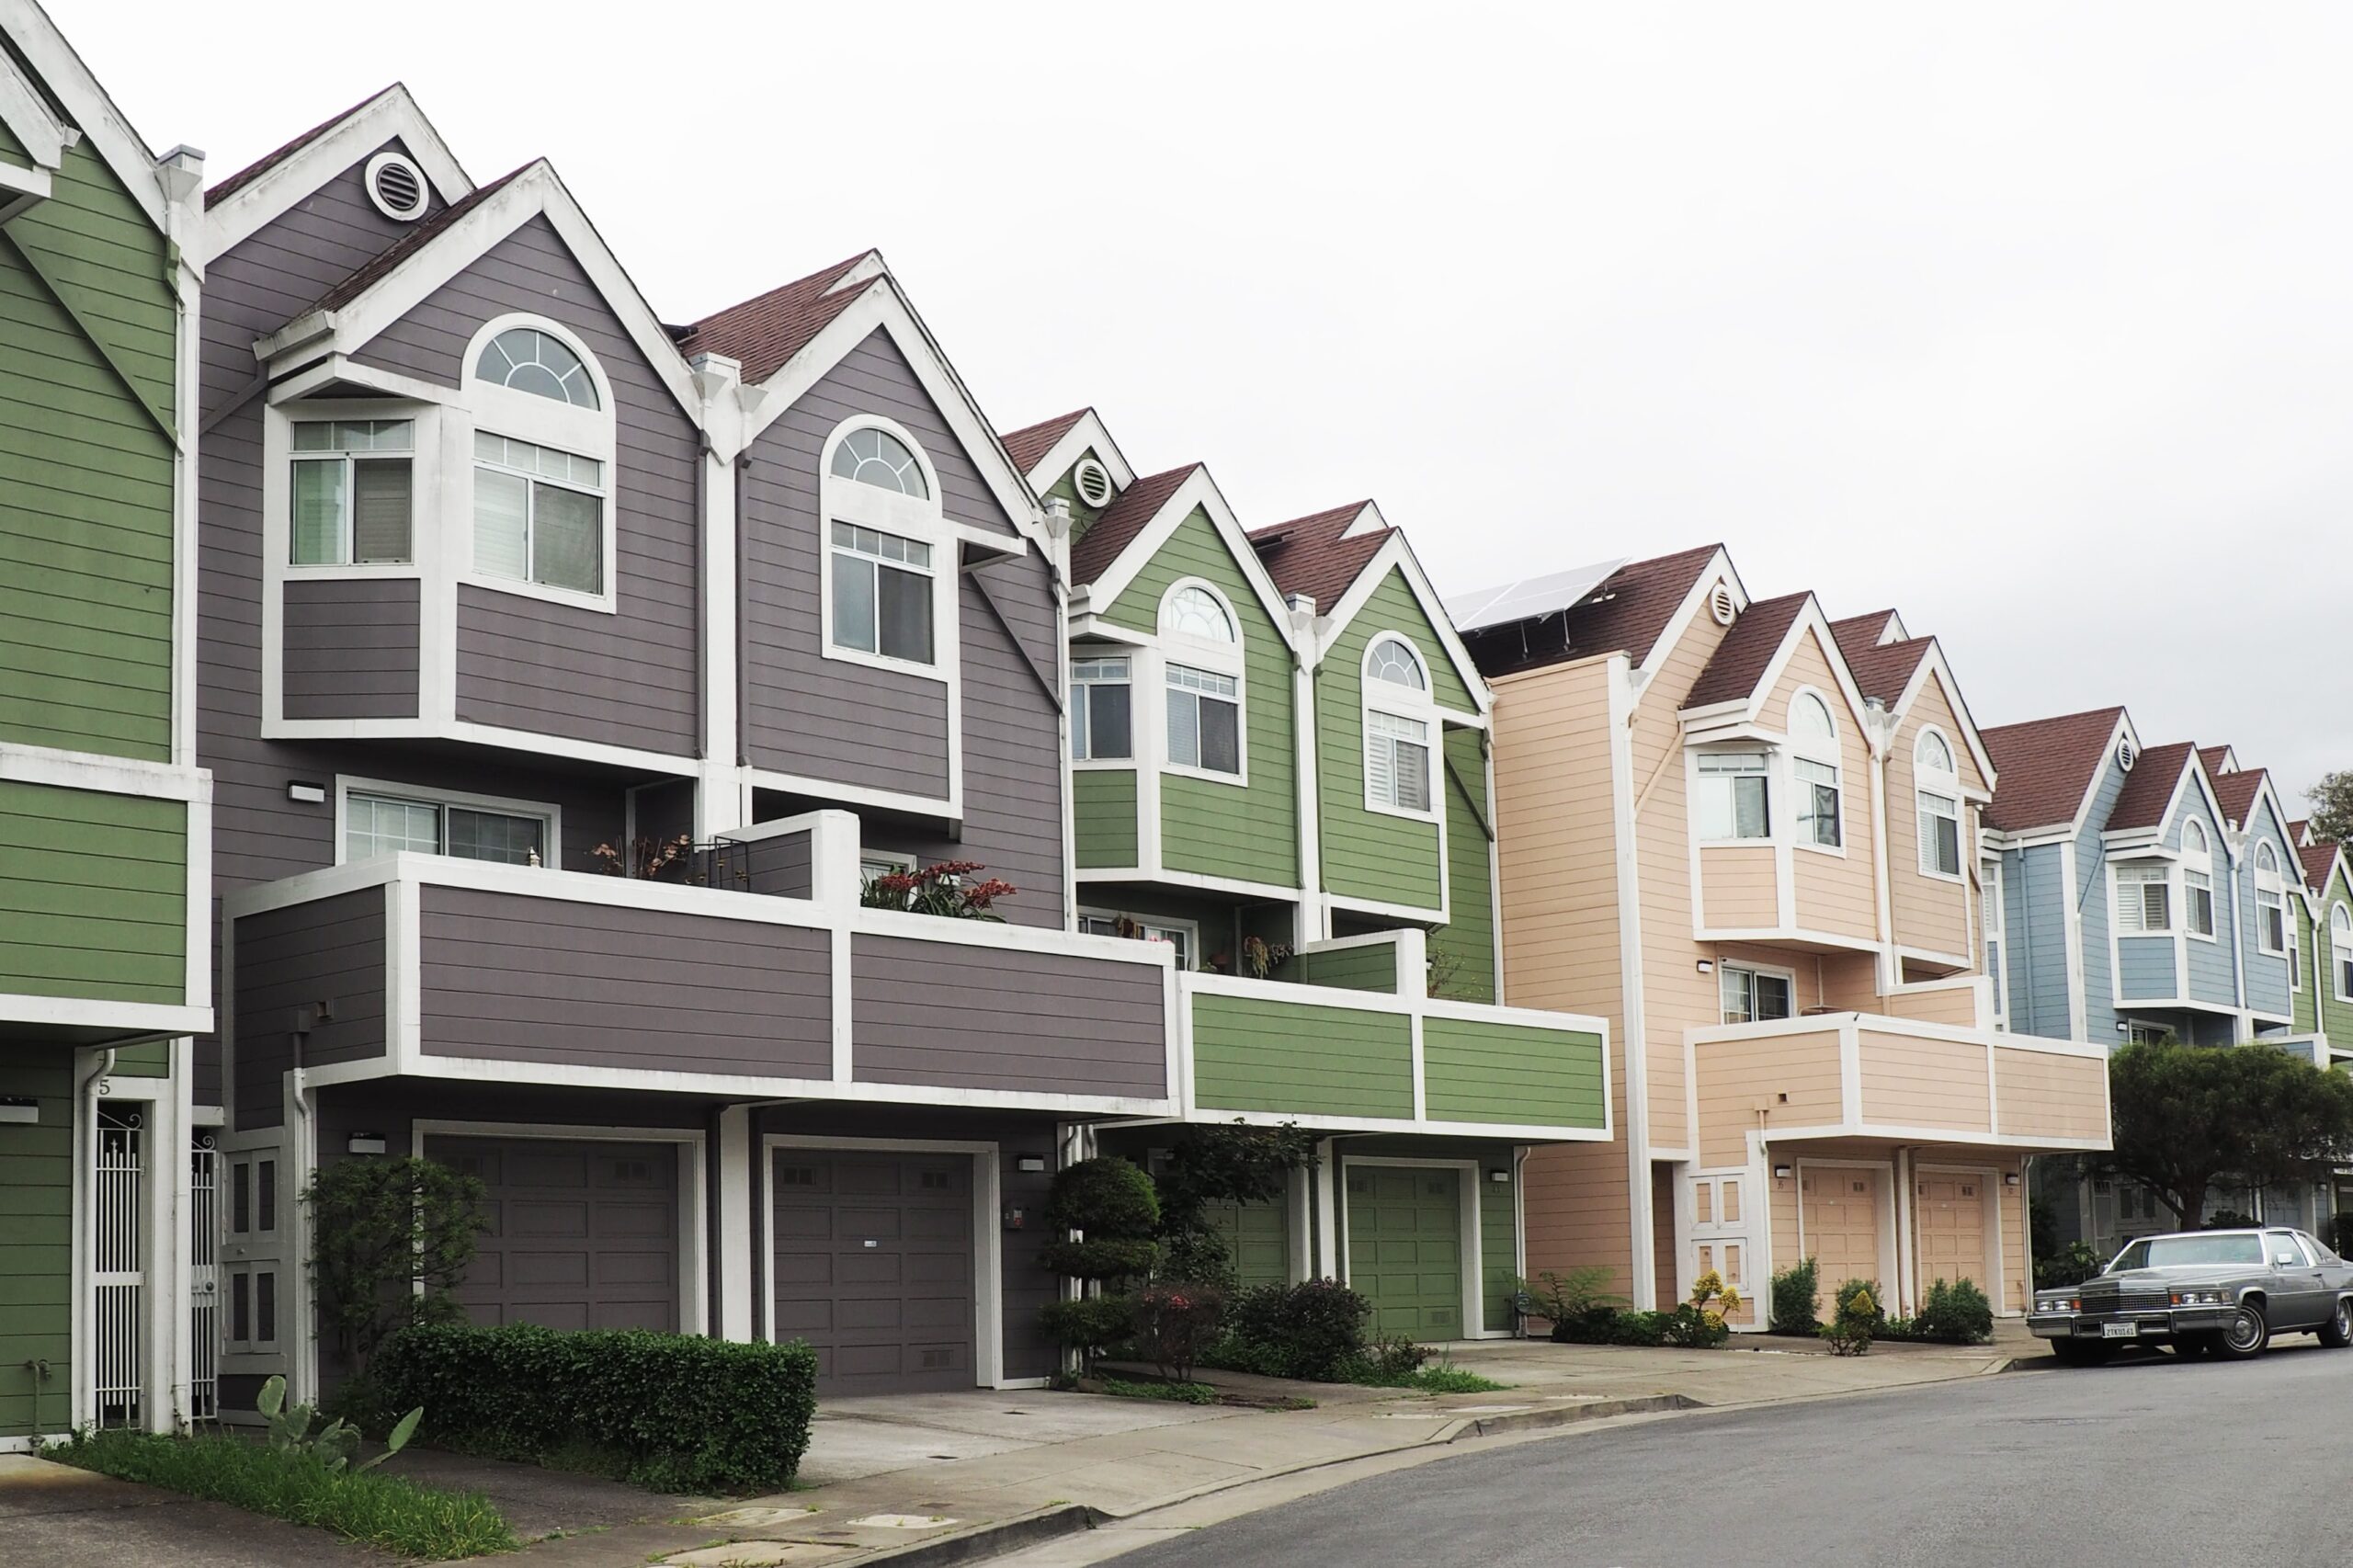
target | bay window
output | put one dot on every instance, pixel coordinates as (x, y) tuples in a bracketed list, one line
[(353, 492), (1101, 711), (1204, 720), (1733, 801), (2143, 900)]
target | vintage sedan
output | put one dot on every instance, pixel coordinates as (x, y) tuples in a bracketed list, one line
[(2203, 1292)]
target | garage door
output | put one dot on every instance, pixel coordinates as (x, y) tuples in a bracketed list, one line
[(1405, 1249), (581, 1234), (1840, 1215), (1257, 1238), (874, 1267), (1952, 1228)]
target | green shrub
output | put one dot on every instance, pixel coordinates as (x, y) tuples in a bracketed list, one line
[(1858, 1318), (1103, 1197), (1576, 1294), (1957, 1313), (1311, 1330), (1794, 1291), (1175, 1322), (387, 1511), (2072, 1266), (1092, 1327), (390, 1239), (1687, 1327), (1175, 1392), (674, 1412), (1114, 1205)]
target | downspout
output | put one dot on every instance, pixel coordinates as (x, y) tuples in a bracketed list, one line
[(1879, 730)]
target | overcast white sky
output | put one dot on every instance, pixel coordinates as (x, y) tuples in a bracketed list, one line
[(2031, 321)]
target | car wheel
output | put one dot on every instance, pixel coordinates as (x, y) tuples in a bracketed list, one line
[(2079, 1352), (2247, 1334), (2337, 1332)]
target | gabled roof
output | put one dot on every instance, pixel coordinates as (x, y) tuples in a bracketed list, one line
[(1859, 633), (1124, 520), (2150, 791), (58, 100), (2045, 767), (2234, 793), (265, 189), (1317, 555), (766, 330), (2317, 859), (1033, 442), (1747, 651), (1883, 669), (415, 240), (1634, 606), (216, 194)]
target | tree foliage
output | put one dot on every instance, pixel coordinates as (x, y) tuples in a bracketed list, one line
[(2332, 801), (2187, 1115), (380, 1228), (1214, 1163)]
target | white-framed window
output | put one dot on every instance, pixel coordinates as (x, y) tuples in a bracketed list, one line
[(2295, 954), (871, 455), (2340, 951), (385, 819), (1182, 935), (1102, 711), (876, 864), (2143, 900), (352, 493), (1392, 660), (543, 493), (1754, 995), (1733, 801), (1401, 726), (2272, 924), (889, 582), (1932, 753), (882, 593), (2146, 1034), (539, 515), (1204, 720), (1815, 771), (1194, 610), (1940, 835), (534, 360), (1990, 917), (2197, 882)]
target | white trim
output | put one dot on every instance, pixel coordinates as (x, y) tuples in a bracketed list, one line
[(1196, 491), (1624, 695), (270, 193), (498, 410), (64, 769), (548, 811), (1468, 1175), (94, 114), (1408, 705), (988, 1240), (1087, 432), (138, 1021), (694, 1224), (935, 808), (44, 136), (1396, 553)]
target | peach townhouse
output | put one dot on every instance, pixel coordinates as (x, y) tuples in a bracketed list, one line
[(1746, 833)]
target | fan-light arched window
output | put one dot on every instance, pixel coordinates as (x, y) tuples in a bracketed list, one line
[(1402, 728), (890, 570), (2197, 880), (2341, 942), (2271, 926), (1814, 768), (1939, 806), (1200, 690), (1932, 755), (2193, 839), (1392, 662), (525, 359), (1196, 612), (874, 456)]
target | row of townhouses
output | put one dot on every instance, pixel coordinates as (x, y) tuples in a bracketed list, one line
[(451, 709)]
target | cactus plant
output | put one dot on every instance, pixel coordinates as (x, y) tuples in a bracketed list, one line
[(336, 1443)]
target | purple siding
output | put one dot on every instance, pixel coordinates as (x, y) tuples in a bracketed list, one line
[(350, 648), (330, 952)]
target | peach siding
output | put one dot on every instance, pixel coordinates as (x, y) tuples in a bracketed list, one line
[(1836, 894), (2017, 1285), (2042, 1094), (1736, 1076), (1954, 1004), (1742, 887), (1931, 913), (1909, 1082)]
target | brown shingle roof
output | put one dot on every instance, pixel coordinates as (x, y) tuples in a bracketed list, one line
[(416, 239), (268, 161), (2045, 765), (1630, 611), (1883, 670), (2235, 792), (1861, 633), (2145, 795), (1315, 555), (2317, 859), (1033, 442), (1122, 521), (1740, 659), (766, 331)]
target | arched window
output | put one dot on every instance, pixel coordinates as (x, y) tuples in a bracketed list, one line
[(1402, 727), (2266, 862), (1939, 806), (1202, 682), (1810, 718), (1390, 659), (1932, 755), (2197, 880), (1814, 770), (525, 359), (2193, 839), (874, 456), (1194, 611), (2341, 942), (2271, 926)]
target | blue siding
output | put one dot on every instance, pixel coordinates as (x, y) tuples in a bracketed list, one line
[(2035, 927), (2267, 974), (2092, 899), (2213, 969), (2147, 964)]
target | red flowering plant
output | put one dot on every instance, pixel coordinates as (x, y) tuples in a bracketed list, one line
[(1175, 1322), (944, 888)]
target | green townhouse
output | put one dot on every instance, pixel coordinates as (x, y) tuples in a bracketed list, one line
[(1279, 769), (2322, 954), (104, 820)]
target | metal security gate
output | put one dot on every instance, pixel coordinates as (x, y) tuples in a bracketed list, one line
[(204, 1279), (117, 1280)]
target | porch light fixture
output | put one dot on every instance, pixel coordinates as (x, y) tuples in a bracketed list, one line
[(1707, 966), (1499, 1177), (2009, 1178), (17, 1107), (1780, 1173), (1029, 1162), (311, 794), (365, 1144)]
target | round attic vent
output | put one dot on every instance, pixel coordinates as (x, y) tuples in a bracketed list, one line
[(2125, 755), (1720, 606), (1093, 482), (397, 187)]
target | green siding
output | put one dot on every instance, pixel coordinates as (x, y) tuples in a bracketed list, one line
[(1257, 1240), (1498, 1213), (1250, 1054), (1479, 1071), (37, 1240), (1463, 951), (153, 1059), (1371, 854), (2307, 996), (1346, 968), (1103, 816), (1082, 515), (85, 474), (2335, 1016), (1245, 834), (93, 894)]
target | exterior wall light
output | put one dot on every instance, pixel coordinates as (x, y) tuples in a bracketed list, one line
[(1499, 1177), (1029, 1162), (1780, 1173), (365, 1144)]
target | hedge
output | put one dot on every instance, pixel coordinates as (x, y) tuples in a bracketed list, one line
[(674, 1412)]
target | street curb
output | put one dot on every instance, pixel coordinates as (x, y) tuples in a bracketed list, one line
[(991, 1541), (1562, 1415)]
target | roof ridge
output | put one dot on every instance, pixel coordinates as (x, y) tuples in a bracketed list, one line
[(229, 187)]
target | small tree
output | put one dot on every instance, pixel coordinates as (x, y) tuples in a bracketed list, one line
[(1211, 1164), (1111, 1207), (378, 1229), (2332, 801), (2185, 1116)]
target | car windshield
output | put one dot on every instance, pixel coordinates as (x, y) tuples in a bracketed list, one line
[(2174, 1252)]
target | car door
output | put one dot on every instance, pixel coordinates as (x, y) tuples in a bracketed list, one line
[(2300, 1293), (2336, 1275)]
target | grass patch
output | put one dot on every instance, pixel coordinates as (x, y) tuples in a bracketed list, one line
[(387, 1511), (1444, 1377), (1180, 1393)]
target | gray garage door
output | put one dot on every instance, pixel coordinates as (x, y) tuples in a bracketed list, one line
[(874, 1267), (583, 1234)]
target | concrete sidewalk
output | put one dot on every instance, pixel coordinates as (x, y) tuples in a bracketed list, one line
[(953, 1477)]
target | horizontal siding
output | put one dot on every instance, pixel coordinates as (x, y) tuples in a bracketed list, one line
[(1740, 887), (1250, 1054), (1924, 1083), (1511, 1073), (1463, 951), (350, 648), (2043, 1096), (2146, 965), (1738, 1075), (944, 1015), (1368, 854), (37, 1240), (516, 978), (1370, 968), (1103, 804), (330, 951), (92, 895)]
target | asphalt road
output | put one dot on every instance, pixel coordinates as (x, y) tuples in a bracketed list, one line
[(2147, 1462)]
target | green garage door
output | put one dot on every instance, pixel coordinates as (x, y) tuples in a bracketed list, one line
[(1405, 1248), (1257, 1238)]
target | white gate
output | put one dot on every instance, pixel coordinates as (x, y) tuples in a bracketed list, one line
[(118, 1280), (203, 1279)]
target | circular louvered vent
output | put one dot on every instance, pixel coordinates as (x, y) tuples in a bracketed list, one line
[(1093, 482), (2125, 755), (397, 187), (1720, 606)]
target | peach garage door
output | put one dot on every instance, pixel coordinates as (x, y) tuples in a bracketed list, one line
[(1952, 1229), (1839, 1210)]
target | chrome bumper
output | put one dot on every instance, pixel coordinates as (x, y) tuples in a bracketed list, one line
[(2161, 1322)]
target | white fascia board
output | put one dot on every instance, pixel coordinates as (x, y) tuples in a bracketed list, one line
[(22, 110), (107, 775), (70, 82), (1809, 617), (1198, 490), (883, 305), (2124, 730), (1395, 553), (1694, 599), (1934, 666), (275, 191), (1088, 433)]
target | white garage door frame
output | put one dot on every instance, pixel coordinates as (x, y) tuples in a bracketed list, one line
[(1989, 1196), (988, 1240), (1474, 1266), (694, 1308)]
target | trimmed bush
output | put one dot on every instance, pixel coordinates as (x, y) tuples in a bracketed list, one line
[(1175, 1322), (1957, 1313), (1313, 1330), (387, 1511), (1103, 1197), (1794, 1290), (670, 1411), (1859, 1318)]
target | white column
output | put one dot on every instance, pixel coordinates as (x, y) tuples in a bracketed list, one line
[(731, 1317)]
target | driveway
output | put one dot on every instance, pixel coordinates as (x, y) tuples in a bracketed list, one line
[(62, 1517), (878, 1434)]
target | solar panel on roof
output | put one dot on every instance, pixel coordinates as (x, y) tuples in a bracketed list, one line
[(1529, 597)]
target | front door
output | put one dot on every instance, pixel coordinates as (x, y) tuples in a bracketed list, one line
[(1839, 1213), (1405, 1248)]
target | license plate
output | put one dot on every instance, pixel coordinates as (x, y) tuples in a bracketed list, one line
[(2120, 1331)]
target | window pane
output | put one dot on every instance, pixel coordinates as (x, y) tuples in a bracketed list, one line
[(567, 539), (374, 827), (1108, 726), (1736, 995), (1748, 807), (1715, 808), (1413, 775), (379, 510), (316, 537), (1184, 728), (502, 509), (853, 602), (906, 615), (1772, 996), (1380, 770), (497, 835), (314, 437), (1220, 736)]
